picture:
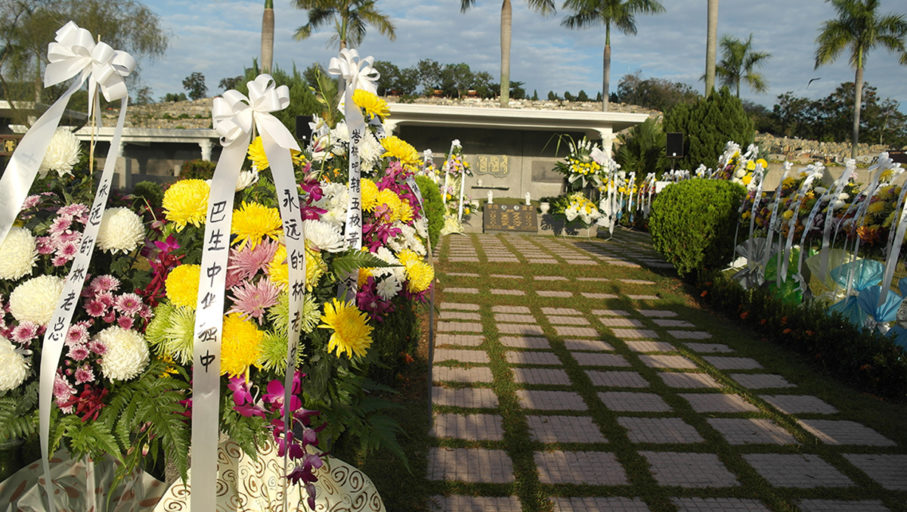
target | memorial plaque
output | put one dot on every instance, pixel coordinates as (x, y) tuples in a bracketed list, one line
[(504, 217), (494, 165)]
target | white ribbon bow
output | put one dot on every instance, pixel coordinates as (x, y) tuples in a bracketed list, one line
[(358, 74), (234, 113), (74, 52)]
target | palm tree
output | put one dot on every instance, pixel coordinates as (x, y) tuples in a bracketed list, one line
[(737, 62), (267, 37), (860, 28), (619, 12), (711, 39), (542, 6), (349, 16)]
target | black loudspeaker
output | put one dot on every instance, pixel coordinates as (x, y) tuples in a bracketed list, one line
[(303, 130), (674, 145)]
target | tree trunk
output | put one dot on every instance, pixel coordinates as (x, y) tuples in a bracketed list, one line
[(606, 68), (506, 20), (711, 46), (857, 104), (267, 38)]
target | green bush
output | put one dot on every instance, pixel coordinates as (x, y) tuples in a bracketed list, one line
[(863, 358), (197, 169), (707, 126), (434, 207), (151, 192), (692, 223)]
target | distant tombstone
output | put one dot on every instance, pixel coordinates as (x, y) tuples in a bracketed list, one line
[(503, 217)]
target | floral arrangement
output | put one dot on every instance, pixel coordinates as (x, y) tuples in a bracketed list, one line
[(577, 208), (583, 165), (739, 168), (124, 383)]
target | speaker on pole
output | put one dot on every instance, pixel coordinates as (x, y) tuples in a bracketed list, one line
[(303, 130), (674, 145)]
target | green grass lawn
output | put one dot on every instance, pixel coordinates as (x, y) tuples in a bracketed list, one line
[(409, 490)]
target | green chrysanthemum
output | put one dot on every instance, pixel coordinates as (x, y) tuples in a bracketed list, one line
[(180, 335), (274, 353), (278, 315)]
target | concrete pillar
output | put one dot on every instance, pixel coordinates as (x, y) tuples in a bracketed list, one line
[(121, 173), (206, 146)]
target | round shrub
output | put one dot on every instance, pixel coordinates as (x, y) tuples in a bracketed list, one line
[(434, 207), (692, 223), (197, 169)]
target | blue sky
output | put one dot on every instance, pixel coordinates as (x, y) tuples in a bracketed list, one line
[(220, 37)]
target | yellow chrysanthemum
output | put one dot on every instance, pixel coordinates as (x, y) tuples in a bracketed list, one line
[(390, 199), (352, 333), (419, 276), (369, 194), (186, 202), (750, 165), (253, 221), (747, 179), (876, 207), (182, 285), (257, 154), (315, 267), (762, 162), (298, 157), (407, 257), (278, 269), (364, 274), (241, 345), (373, 105), (787, 214), (398, 148), (403, 212), (886, 175)]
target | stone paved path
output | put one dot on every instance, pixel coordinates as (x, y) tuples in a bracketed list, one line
[(573, 391)]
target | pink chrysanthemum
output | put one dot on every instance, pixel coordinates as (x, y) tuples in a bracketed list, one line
[(68, 250), (84, 374), (95, 308), (251, 300), (79, 352), (24, 332), (44, 244), (31, 202), (60, 225), (69, 236), (105, 298), (77, 334), (63, 391), (105, 283), (247, 262), (73, 210), (125, 322), (97, 347), (128, 304)]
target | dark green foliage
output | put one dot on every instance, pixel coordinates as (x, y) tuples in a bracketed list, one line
[(434, 207), (707, 126), (655, 93), (692, 223), (865, 359), (197, 169), (643, 149), (19, 415), (393, 338), (149, 191)]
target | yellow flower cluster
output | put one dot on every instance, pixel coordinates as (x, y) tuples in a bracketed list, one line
[(257, 154), (181, 285), (241, 345), (398, 148), (419, 274), (373, 105), (352, 333), (186, 202), (252, 222), (578, 166)]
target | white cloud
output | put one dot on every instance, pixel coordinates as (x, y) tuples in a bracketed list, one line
[(220, 38)]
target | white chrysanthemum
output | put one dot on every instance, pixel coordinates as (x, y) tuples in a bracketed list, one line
[(571, 212), (340, 135), (15, 367), (121, 231), (370, 151), (335, 201), (18, 253), (62, 153), (322, 235), (389, 287), (126, 355), (407, 239), (422, 227), (35, 299), (246, 179)]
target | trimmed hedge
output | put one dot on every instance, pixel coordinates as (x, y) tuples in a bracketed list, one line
[(434, 207), (692, 223), (865, 359)]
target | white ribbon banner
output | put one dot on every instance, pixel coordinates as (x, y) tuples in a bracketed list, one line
[(454, 144), (73, 53), (356, 75), (234, 115)]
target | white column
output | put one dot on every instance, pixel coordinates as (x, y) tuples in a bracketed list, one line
[(206, 146)]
